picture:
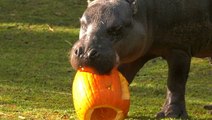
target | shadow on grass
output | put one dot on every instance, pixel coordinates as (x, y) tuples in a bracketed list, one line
[(154, 118), (140, 118)]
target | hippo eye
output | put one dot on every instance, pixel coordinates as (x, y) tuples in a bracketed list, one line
[(115, 31), (118, 28), (127, 25)]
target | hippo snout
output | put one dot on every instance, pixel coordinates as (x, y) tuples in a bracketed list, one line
[(91, 54), (100, 58)]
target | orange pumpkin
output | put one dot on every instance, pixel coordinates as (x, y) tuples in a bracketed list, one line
[(100, 97)]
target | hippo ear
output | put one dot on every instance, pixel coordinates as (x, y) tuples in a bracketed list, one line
[(130, 1), (89, 1), (133, 4)]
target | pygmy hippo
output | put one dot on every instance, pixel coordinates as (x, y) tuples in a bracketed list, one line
[(128, 33)]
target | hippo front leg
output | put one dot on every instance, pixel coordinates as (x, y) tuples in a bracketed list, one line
[(179, 65), (129, 70)]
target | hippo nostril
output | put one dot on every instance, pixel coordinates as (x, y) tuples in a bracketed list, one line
[(78, 52), (93, 53)]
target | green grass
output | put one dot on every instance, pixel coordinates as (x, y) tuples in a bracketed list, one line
[(36, 77)]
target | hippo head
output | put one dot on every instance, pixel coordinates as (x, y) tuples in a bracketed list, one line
[(104, 24)]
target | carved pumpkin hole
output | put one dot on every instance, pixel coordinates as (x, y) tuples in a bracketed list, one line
[(103, 113)]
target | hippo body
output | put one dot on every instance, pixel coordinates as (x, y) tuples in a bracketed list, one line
[(128, 33), (183, 24)]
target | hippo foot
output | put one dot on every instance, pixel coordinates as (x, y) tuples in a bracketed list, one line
[(173, 111)]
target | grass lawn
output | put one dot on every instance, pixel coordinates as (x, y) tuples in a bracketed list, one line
[(36, 77)]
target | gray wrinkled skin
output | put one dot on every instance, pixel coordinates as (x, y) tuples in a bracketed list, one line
[(128, 33)]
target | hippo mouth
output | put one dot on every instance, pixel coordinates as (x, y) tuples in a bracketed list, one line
[(100, 66), (95, 62)]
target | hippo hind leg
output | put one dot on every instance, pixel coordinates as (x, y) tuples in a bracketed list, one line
[(178, 65)]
